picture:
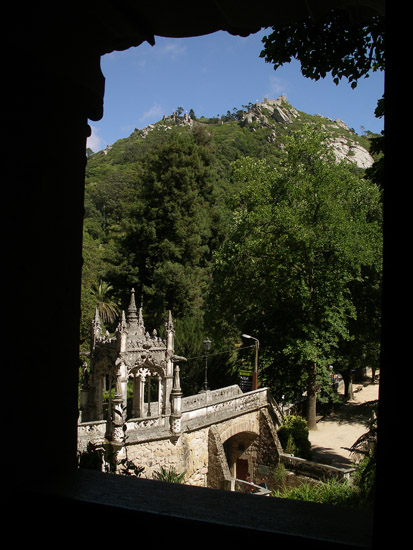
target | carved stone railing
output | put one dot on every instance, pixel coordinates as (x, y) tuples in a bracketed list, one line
[(145, 422), (217, 403), (96, 428), (90, 431), (199, 400), (232, 402)]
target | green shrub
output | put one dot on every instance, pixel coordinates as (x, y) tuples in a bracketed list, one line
[(334, 492), (170, 475), (280, 475), (364, 478), (293, 436)]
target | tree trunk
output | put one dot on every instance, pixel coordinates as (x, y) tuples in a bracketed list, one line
[(348, 385), (312, 398)]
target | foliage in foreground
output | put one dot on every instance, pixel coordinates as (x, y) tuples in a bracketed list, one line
[(334, 492), (171, 475), (357, 492)]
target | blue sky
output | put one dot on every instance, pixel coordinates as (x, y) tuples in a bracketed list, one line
[(212, 74)]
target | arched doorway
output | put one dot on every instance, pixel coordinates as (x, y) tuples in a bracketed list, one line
[(240, 452)]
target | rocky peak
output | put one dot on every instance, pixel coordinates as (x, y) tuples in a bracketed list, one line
[(272, 112)]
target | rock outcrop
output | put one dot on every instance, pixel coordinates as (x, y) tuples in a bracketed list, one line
[(272, 112)]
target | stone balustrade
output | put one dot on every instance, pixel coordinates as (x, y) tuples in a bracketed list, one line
[(213, 403)]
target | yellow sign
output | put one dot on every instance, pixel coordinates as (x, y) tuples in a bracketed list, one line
[(245, 372)]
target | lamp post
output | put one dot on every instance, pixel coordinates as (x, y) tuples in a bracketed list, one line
[(207, 346), (255, 373)]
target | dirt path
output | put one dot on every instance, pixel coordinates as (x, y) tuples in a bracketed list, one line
[(337, 432)]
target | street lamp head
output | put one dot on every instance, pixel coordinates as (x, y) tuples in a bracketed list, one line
[(207, 344), (251, 337)]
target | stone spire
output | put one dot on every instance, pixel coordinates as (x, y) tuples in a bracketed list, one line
[(136, 326), (140, 317), (169, 325), (96, 320), (132, 309), (122, 323), (96, 327), (170, 334)]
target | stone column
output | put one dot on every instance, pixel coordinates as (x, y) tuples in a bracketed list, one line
[(96, 397), (149, 379), (160, 395), (176, 402), (118, 414), (135, 398), (170, 345), (141, 395), (123, 375), (84, 396)]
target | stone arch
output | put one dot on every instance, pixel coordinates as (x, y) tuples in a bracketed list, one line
[(143, 400), (237, 439), (247, 425), (102, 379), (248, 445), (239, 453)]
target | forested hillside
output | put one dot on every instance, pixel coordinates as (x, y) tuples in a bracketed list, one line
[(248, 222)]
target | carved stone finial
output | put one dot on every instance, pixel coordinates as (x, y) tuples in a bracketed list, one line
[(177, 381), (132, 310), (96, 324), (140, 317), (96, 318), (169, 323), (122, 323)]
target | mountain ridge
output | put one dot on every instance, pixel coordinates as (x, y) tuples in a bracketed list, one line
[(276, 116)]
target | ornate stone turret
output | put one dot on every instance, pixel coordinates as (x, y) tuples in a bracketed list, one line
[(135, 318), (133, 355)]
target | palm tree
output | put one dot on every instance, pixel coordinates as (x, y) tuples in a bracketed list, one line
[(108, 308)]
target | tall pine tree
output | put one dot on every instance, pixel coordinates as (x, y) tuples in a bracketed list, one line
[(164, 242)]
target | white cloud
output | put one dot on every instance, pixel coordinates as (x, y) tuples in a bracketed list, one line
[(155, 111), (171, 48), (94, 141), (277, 86)]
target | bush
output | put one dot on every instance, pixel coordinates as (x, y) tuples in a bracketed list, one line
[(293, 436), (170, 475), (280, 476), (334, 492), (364, 479)]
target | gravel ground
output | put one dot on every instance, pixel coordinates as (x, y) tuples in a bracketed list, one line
[(337, 432)]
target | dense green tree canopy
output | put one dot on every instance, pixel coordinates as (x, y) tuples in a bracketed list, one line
[(159, 203), (334, 44), (300, 238), (168, 226)]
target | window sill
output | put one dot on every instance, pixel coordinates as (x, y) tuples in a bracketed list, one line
[(121, 505)]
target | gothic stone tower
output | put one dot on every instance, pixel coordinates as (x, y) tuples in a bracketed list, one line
[(132, 355)]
